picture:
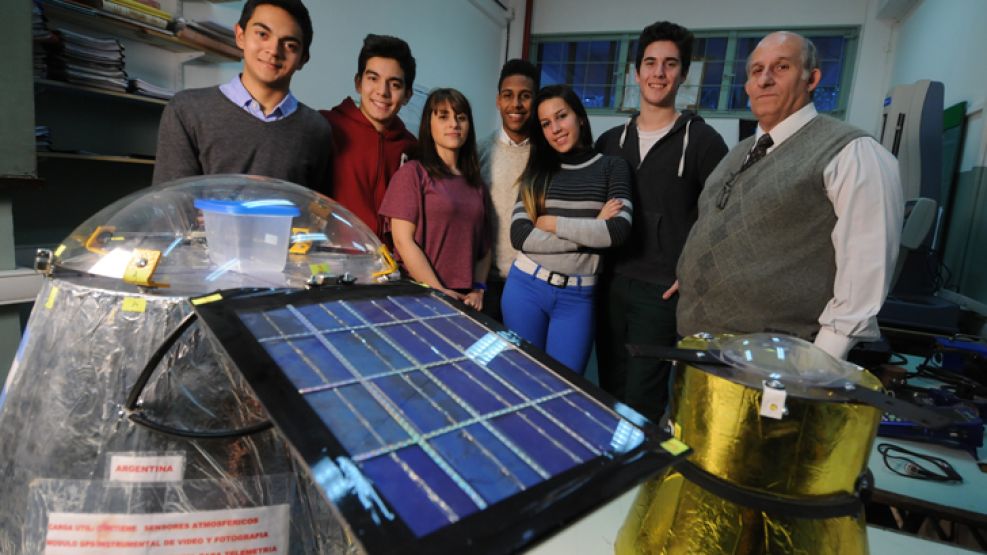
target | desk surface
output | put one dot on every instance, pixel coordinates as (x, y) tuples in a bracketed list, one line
[(595, 534), (967, 498)]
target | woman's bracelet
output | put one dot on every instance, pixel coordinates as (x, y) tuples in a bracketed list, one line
[(478, 286)]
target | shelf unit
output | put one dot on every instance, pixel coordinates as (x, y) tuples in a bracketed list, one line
[(103, 140), (41, 84), (96, 157), (119, 26)]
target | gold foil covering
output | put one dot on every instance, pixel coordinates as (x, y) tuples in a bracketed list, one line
[(819, 448), (673, 516)]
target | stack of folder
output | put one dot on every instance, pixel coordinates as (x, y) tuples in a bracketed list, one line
[(209, 35), (142, 12), (39, 23), (143, 88), (40, 35), (137, 11), (87, 60)]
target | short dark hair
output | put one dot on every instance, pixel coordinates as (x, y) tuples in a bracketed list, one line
[(666, 30), (294, 7), (467, 160), (520, 67), (385, 46)]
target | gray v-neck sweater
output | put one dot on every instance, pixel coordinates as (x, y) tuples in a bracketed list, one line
[(202, 132)]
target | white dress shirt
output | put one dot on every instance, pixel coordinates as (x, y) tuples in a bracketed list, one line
[(239, 95), (506, 139), (863, 184)]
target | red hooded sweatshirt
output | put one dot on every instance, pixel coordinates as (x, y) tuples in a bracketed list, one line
[(364, 160)]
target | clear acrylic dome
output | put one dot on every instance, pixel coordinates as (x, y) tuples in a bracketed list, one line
[(200, 234), (763, 356)]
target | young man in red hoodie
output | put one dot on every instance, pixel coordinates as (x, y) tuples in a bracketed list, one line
[(369, 140)]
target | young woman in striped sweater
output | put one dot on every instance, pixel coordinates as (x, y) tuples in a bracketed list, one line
[(572, 204)]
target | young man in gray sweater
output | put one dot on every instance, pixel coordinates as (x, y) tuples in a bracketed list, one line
[(503, 156), (252, 124)]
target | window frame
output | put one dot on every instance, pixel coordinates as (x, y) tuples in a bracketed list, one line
[(850, 33)]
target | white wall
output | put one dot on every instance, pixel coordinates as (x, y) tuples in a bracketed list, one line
[(456, 44), (587, 16), (870, 72), (944, 40)]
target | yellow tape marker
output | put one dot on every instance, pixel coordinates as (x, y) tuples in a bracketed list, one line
[(319, 268), (51, 298), (674, 446), (134, 304), (59, 250), (207, 299)]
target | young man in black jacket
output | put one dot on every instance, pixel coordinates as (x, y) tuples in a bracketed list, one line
[(673, 153)]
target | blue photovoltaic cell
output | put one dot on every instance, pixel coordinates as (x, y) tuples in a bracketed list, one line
[(492, 477), (439, 433), (546, 450), (296, 364), (323, 319), (399, 478), (416, 344)]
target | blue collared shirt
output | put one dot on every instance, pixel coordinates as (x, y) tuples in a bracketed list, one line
[(238, 94)]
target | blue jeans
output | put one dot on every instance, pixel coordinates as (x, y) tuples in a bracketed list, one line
[(556, 320)]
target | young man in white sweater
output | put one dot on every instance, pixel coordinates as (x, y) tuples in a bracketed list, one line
[(503, 156)]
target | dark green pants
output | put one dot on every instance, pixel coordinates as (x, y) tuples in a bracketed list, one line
[(633, 311)]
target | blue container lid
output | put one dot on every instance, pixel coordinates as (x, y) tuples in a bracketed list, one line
[(260, 207)]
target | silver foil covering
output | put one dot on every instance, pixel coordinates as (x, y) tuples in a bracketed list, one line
[(62, 415)]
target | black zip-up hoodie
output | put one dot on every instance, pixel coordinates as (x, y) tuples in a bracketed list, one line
[(665, 192)]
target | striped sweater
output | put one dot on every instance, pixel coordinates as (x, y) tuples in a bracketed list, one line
[(576, 193)]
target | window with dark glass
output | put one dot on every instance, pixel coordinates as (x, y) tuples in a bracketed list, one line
[(588, 66), (601, 69)]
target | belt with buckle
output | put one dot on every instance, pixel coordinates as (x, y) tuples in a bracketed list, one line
[(554, 279)]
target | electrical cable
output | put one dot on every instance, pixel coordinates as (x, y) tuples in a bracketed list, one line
[(136, 411), (899, 361), (910, 467)]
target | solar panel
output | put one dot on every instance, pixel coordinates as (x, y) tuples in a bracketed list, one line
[(423, 423)]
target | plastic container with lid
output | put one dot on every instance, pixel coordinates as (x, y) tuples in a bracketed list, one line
[(248, 236)]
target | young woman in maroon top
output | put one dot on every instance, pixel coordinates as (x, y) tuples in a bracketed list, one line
[(436, 206)]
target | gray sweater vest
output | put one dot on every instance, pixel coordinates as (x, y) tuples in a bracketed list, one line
[(765, 261)]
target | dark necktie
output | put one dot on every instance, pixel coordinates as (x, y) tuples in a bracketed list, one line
[(760, 149)]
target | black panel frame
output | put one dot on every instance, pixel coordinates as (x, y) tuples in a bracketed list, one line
[(507, 526)]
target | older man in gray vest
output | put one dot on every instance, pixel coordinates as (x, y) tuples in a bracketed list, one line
[(799, 225)]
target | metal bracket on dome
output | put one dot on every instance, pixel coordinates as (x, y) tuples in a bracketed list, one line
[(391, 267), (99, 237), (44, 261), (320, 279), (299, 247), (141, 267)]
